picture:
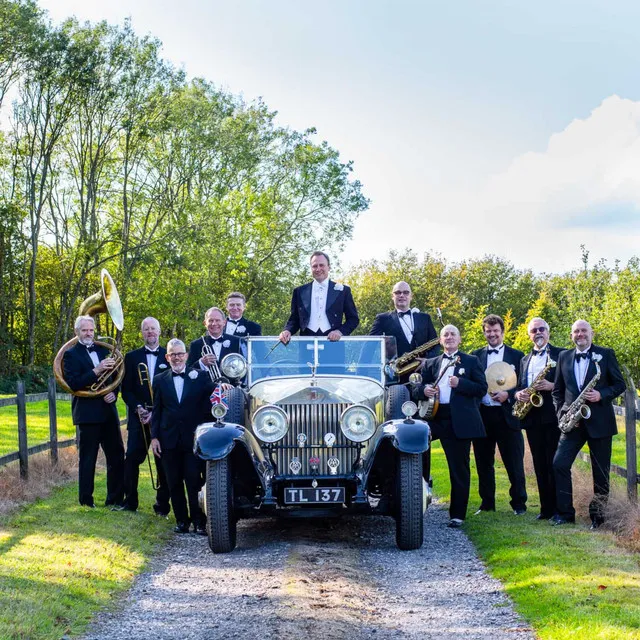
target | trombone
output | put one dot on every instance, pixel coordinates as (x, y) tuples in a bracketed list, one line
[(143, 376)]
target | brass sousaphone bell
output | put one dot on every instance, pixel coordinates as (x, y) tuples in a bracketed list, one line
[(501, 376), (107, 300)]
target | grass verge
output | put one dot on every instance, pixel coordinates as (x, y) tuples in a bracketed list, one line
[(61, 563), (567, 582)]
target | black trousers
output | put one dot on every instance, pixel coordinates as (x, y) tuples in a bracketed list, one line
[(92, 436), (511, 446), (600, 452), (457, 452), (136, 453), (182, 469), (543, 443)]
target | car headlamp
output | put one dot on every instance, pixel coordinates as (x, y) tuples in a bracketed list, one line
[(270, 423), (234, 366), (358, 423)]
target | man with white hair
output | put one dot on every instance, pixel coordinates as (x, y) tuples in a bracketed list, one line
[(180, 404), (540, 422), (136, 392), (461, 384), (96, 417), (576, 369)]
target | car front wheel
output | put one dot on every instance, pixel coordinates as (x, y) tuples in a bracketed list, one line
[(409, 522), (221, 520)]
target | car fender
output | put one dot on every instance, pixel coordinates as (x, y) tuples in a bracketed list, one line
[(216, 440), (408, 436)]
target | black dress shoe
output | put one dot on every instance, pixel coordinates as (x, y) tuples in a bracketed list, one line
[(161, 510), (544, 516), (91, 505), (596, 523), (482, 510), (455, 523), (123, 507), (181, 527), (519, 512), (201, 529), (559, 520)]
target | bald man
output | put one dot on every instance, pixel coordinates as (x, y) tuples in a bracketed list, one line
[(409, 327), (576, 368)]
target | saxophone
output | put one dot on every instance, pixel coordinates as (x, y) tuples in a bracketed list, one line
[(521, 409), (579, 410), (408, 362)]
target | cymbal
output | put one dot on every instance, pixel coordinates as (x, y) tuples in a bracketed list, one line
[(501, 376)]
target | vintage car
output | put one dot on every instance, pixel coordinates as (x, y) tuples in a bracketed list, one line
[(314, 431)]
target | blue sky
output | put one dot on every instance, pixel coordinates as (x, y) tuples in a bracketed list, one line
[(475, 127)]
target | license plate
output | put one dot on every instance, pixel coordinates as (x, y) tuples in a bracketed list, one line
[(309, 495)]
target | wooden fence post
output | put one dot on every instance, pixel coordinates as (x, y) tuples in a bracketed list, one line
[(23, 452), (53, 422), (630, 397)]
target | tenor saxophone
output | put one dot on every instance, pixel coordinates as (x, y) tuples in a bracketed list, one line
[(521, 409), (408, 362), (579, 410)]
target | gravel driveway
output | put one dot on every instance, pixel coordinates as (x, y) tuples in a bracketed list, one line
[(318, 579)]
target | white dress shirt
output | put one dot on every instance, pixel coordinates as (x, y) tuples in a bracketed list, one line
[(318, 316), (443, 385), (216, 348), (491, 358), (152, 360), (580, 367), (231, 326), (536, 365), (95, 358), (178, 383), (406, 322)]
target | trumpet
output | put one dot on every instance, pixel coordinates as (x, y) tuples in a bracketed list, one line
[(521, 409), (145, 378), (214, 368)]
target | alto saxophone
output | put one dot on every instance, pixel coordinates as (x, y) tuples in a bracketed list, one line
[(579, 410), (521, 409)]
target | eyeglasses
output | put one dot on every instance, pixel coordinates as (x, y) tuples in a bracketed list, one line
[(177, 354), (401, 293), (537, 329)]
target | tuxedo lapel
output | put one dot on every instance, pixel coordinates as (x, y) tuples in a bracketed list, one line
[(482, 356), (332, 294), (305, 298)]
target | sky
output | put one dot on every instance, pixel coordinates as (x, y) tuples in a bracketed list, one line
[(498, 127)]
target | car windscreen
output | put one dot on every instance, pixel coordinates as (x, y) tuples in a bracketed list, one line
[(352, 356)]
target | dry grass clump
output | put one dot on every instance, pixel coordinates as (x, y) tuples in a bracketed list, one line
[(43, 478)]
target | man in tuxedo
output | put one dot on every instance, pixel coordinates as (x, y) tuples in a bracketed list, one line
[(180, 404), (576, 368), (221, 345), (462, 384), (237, 325), (541, 423), (137, 396), (96, 417), (502, 427), (409, 327), (321, 307)]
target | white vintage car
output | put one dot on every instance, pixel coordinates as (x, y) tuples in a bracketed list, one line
[(316, 431)]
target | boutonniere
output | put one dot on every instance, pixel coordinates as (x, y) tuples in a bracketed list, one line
[(241, 329), (596, 357), (415, 310), (226, 344), (162, 365), (193, 374), (461, 371), (339, 287)]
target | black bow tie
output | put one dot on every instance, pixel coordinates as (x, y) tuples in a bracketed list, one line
[(453, 357), (584, 355), (216, 340), (176, 375), (539, 353), (91, 347), (152, 353), (493, 350), (404, 313)]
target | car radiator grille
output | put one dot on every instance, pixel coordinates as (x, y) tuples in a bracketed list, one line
[(314, 421)]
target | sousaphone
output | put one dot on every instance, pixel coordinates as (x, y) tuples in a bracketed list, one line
[(106, 300)]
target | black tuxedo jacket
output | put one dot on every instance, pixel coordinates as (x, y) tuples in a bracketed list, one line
[(250, 328), (195, 349), (134, 393), (602, 422), (465, 398), (174, 423), (545, 414), (389, 324), (512, 357), (78, 373), (339, 304)]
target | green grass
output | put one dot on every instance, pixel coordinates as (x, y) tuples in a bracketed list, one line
[(567, 582), (38, 423), (61, 563)]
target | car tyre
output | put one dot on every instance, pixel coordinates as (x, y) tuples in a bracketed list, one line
[(236, 400), (397, 395), (221, 520), (409, 516)]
